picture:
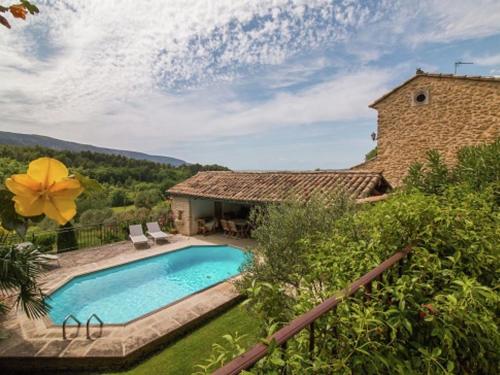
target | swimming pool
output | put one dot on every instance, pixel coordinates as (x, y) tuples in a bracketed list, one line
[(126, 292)]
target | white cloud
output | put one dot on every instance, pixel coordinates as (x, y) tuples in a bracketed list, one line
[(159, 120), (401, 24), (109, 50), (80, 59), (487, 60), (143, 74), (451, 20)]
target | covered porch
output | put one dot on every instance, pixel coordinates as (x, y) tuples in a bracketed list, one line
[(205, 216), (221, 201)]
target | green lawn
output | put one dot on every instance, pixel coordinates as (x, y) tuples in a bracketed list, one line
[(180, 357), (121, 209)]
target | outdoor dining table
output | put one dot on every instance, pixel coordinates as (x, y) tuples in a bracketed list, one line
[(242, 225), (240, 221)]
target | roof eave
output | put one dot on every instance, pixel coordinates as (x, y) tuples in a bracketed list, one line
[(206, 196), (432, 75), (383, 97)]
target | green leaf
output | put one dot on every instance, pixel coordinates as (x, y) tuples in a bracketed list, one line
[(9, 218), (436, 352), (90, 185), (277, 361), (30, 7), (408, 325), (450, 366)]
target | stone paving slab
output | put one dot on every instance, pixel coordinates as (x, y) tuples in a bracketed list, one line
[(39, 344)]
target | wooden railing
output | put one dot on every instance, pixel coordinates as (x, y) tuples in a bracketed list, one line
[(259, 351)]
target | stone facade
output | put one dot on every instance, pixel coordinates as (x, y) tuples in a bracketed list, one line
[(452, 112), (187, 210), (181, 208)]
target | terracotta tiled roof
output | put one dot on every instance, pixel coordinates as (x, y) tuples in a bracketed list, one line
[(435, 75), (279, 186)]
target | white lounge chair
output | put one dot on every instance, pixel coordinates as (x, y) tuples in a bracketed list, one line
[(137, 235), (155, 232)]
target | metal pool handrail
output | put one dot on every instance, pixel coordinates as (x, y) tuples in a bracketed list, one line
[(69, 316), (259, 351), (101, 323)]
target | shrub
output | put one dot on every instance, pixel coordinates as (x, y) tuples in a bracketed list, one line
[(20, 269), (119, 198), (142, 215), (439, 317), (47, 224), (126, 216), (280, 230), (97, 200), (163, 215), (477, 167), (432, 177), (371, 154), (147, 199), (45, 241), (94, 216)]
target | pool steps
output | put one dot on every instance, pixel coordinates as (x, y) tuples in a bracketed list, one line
[(71, 316), (101, 323), (68, 317)]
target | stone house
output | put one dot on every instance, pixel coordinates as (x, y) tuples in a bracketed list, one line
[(223, 194), (433, 111), (428, 111)]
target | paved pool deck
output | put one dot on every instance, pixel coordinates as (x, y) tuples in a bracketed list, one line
[(38, 345)]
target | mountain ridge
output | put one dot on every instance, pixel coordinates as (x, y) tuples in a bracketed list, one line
[(22, 139)]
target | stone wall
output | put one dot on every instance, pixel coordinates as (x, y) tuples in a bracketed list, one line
[(458, 112), (181, 208)]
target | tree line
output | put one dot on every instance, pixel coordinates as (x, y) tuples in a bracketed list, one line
[(125, 181)]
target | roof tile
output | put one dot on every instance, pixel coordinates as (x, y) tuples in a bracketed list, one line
[(278, 186)]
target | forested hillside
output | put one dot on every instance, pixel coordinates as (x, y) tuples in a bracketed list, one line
[(125, 181), (33, 140)]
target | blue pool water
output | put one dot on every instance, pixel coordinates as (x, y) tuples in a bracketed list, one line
[(123, 293)]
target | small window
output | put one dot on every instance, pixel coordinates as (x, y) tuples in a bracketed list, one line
[(420, 97)]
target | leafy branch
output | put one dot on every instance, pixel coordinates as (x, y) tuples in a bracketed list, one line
[(18, 11)]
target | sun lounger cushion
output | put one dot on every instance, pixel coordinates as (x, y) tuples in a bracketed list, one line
[(136, 234), (155, 231)]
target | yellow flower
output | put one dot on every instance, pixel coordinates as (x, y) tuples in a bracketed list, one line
[(45, 189)]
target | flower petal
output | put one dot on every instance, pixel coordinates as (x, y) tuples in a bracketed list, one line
[(22, 184), (51, 209), (66, 208), (28, 206), (47, 171), (67, 189)]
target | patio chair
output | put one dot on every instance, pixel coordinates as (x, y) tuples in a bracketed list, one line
[(155, 232), (233, 229), (247, 230), (202, 228), (206, 226), (225, 227), (137, 235)]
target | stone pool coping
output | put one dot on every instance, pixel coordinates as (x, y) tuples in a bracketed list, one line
[(39, 343)]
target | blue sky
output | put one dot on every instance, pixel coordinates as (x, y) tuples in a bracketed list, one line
[(270, 84)]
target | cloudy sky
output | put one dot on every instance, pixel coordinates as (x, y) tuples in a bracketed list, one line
[(251, 84)]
